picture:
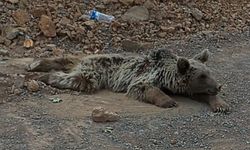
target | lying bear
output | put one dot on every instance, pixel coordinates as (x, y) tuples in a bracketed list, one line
[(144, 78)]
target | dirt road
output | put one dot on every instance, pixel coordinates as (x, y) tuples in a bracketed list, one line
[(31, 121)]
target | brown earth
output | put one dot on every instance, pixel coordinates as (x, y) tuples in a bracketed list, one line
[(29, 120), (32, 121)]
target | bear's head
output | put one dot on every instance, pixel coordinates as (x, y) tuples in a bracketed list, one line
[(196, 75)]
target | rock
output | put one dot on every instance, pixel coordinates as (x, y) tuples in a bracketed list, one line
[(23, 4), (149, 4), (100, 7), (58, 52), (147, 45), (167, 29), (126, 2), (173, 141), (162, 34), (130, 46), (47, 26), (4, 52), (99, 114), (21, 17), (109, 1), (197, 14), (136, 13), (65, 21), (80, 30), (32, 86), (90, 34), (2, 40), (139, 2), (28, 43), (90, 23), (164, 28), (7, 42), (38, 12), (50, 47), (19, 81), (11, 32), (13, 1)]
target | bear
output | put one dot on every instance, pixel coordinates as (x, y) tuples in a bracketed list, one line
[(148, 78)]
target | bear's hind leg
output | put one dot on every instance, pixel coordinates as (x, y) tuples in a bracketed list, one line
[(77, 81), (49, 64)]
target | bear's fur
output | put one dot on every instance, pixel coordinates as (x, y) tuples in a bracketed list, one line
[(141, 77)]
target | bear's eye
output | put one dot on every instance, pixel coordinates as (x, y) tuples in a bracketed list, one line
[(202, 76)]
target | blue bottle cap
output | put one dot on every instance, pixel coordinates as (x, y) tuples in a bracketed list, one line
[(93, 15)]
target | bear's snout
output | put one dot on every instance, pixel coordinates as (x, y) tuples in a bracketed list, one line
[(214, 91)]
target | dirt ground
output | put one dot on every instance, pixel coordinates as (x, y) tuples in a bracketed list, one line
[(32, 121)]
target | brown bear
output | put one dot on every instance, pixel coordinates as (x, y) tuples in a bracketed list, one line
[(144, 78)]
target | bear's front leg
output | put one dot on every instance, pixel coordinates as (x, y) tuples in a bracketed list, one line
[(150, 94), (215, 102)]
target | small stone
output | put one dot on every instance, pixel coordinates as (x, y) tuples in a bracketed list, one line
[(2, 40), (47, 26), (50, 47), (38, 12), (11, 33), (139, 2), (4, 52), (65, 21), (164, 28), (7, 42), (147, 45), (89, 23), (168, 29), (13, 1), (28, 43), (21, 17), (162, 34), (99, 114), (136, 13), (32, 86), (23, 4), (17, 91), (149, 4), (101, 6), (90, 34), (58, 52), (126, 2), (109, 1), (197, 14), (19, 81), (130, 46), (173, 141), (80, 30)]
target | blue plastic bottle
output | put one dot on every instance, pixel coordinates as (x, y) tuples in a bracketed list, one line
[(98, 16)]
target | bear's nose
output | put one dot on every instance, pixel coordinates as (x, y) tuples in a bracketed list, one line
[(213, 91)]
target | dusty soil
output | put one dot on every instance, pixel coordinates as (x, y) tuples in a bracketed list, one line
[(32, 121), (29, 120)]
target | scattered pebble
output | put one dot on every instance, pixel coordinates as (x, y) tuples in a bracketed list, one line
[(100, 114), (32, 86)]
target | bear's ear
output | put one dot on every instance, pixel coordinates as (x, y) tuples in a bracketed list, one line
[(203, 56), (183, 65)]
